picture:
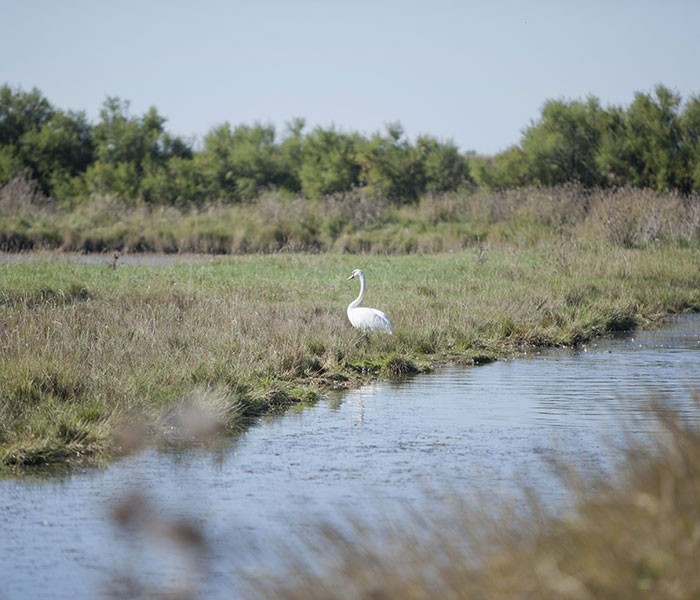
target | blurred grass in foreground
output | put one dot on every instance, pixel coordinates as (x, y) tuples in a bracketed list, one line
[(632, 535), (635, 536)]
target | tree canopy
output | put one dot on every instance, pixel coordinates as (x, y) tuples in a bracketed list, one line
[(653, 143)]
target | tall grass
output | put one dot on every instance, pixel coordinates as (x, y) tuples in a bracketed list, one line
[(88, 350), (350, 222)]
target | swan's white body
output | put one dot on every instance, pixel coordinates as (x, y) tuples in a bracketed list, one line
[(366, 319)]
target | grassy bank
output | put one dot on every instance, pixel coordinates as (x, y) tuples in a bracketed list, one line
[(93, 360)]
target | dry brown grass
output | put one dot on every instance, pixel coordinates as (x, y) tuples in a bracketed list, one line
[(351, 222)]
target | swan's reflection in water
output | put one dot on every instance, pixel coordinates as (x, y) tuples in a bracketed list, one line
[(356, 406)]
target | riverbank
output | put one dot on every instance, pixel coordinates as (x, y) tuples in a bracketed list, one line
[(96, 360)]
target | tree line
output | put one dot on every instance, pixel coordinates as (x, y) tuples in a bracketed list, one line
[(135, 158), (652, 143)]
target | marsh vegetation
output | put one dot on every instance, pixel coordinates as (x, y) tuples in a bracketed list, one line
[(353, 222), (87, 349), (652, 143)]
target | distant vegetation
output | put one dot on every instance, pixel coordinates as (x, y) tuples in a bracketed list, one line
[(653, 143), (353, 222), (630, 176), (135, 159)]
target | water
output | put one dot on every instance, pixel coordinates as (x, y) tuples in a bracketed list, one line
[(483, 431), (107, 258)]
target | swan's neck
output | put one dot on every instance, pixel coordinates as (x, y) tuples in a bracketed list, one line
[(357, 300)]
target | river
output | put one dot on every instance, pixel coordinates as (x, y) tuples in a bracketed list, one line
[(479, 431)]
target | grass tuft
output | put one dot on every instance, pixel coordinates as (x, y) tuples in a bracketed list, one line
[(398, 366)]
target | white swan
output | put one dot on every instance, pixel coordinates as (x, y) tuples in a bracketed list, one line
[(367, 319)]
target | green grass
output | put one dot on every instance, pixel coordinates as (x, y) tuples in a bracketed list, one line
[(87, 351)]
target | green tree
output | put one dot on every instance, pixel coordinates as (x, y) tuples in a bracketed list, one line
[(20, 113), (255, 159), (121, 138), (649, 144), (50, 146), (690, 142), (10, 163), (130, 149), (443, 165), (562, 145), (507, 169), (392, 167), (642, 145), (214, 163), (180, 182), (329, 163), (239, 163), (60, 151), (292, 155)]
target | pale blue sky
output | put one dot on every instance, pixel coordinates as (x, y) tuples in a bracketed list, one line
[(475, 72)]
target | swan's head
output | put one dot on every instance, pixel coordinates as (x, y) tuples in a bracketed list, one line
[(355, 273)]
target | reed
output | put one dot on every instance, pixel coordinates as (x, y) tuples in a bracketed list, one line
[(350, 222)]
